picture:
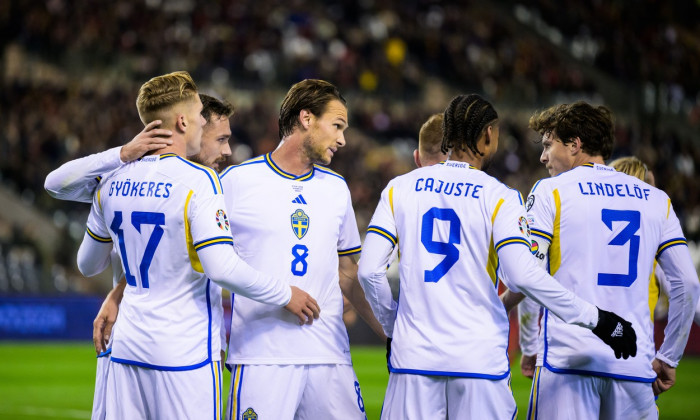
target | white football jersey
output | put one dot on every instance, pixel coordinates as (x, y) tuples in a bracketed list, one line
[(605, 229), (449, 221), (159, 211), (292, 227)]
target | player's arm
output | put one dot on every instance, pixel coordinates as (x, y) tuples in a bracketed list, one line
[(94, 251), (376, 253), (76, 180), (523, 274), (214, 248), (350, 286), (683, 291), (107, 316)]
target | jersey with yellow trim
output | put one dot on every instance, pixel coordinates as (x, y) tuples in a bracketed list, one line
[(605, 229), (448, 221), (159, 211), (292, 227)]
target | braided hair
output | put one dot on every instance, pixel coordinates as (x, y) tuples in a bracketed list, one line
[(465, 119)]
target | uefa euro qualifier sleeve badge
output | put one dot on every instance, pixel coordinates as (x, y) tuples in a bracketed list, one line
[(300, 223)]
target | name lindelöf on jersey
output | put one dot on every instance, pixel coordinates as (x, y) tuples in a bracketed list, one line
[(610, 190), (131, 188), (448, 188)]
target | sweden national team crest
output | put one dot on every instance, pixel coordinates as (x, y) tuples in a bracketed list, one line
[(250, 414), (300, 223), (222, 220)]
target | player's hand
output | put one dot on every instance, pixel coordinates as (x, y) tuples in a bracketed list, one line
[(617, 333), (149, 139), (665, 376), (527, 365), (303, 306), (103, 323)]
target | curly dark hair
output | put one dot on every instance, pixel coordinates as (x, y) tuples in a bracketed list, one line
[(592, 124), (464, 120)]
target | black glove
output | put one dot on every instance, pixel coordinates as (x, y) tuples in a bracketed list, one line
[(617, 333), (388, 351)]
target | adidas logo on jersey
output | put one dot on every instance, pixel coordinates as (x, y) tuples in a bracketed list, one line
[(618, 331), (299, 200)]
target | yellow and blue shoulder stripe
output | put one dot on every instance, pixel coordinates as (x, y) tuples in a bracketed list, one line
[(670, 243), (97, 237), (349, 251), (383, 233), (512, 240), (213, 241)]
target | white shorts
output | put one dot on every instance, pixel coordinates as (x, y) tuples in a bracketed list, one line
[(99, 400), (420, 397), (571, 397), (142, 393), (294, 392)]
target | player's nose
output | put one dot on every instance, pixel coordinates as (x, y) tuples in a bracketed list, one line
[(226, 150), (341, 140)]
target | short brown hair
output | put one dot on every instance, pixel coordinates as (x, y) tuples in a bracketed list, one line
[(212, 106), (430, 136), (311, 94), (631, 166), (592, 124), (163, 92)]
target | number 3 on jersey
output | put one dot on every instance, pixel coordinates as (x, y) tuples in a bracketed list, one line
[(627, 234), (448, 249), (139, 218)]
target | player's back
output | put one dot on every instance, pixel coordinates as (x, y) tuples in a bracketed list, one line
[(170, 311), (605, 229), (450, 320)]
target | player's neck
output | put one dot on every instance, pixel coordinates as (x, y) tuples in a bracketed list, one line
[(466, 157), (179, 147), (290, 157), (584, 158)]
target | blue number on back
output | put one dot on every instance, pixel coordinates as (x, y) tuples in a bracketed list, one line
[(139, 218), (628, 234), (448, 249)]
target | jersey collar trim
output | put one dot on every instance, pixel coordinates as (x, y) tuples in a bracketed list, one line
[(271, 163), (458, 164)]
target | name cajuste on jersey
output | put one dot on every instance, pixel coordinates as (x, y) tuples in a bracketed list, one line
[(131, 188), (448, 188), (611, 190)]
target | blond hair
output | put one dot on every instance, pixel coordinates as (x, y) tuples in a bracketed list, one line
[(631, 166), (161, 93), (430, 137)]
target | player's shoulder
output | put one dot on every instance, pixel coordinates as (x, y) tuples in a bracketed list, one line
[(196, 176), (252, 164), (325, 173)]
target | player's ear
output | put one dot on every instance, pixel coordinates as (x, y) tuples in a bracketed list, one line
[(181, 123), (305, 117), (416, 158), (487, 134), (576, 145)]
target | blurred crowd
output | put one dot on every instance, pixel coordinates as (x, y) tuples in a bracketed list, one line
[(71, 72)]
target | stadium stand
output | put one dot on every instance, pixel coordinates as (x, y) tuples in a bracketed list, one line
[(70, 70)]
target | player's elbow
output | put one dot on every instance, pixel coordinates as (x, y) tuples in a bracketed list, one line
[(90, 268), (90, 264), (52, 186), (365, 273)]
